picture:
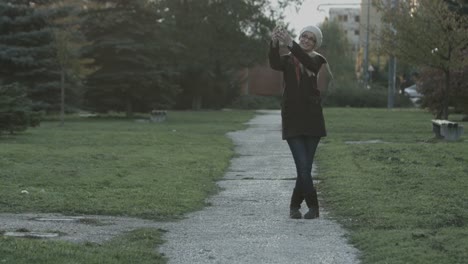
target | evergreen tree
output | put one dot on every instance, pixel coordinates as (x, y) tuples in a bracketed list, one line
[(68, 41), (218, 38), (27, 51), (131, 54), (15, 109)]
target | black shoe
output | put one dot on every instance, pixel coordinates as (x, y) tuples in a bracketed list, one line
[(294, 213), (312, 202), (311, 214), (296, 200)]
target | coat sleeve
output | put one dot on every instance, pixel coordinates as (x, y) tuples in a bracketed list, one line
[(276, 62), (311, 63)]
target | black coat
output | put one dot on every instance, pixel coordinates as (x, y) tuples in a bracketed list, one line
[(301, 109)]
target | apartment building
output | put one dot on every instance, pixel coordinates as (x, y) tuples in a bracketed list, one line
[(349, 19)]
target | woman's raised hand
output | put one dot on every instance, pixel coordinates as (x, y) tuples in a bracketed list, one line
[(283, 36), (274, 35)]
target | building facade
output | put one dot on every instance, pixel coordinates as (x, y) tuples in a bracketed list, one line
[(349, 19)]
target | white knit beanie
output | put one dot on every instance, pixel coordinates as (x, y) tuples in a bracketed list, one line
[(317, 32)]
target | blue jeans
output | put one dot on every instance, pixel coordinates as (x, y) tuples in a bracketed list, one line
[(303, 151)]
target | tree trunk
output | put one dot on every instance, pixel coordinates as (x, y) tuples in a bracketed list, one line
[(62, 97), (129, 109), (196, 102), (446, 96)]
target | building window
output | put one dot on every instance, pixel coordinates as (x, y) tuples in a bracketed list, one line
[(345, 18), (356, 19), (356, 32)]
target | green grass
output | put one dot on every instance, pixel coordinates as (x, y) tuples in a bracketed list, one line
[(404, 201), (112, 166), (137, 247), (118, 166)]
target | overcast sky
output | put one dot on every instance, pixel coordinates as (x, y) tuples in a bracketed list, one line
[(309, 15)]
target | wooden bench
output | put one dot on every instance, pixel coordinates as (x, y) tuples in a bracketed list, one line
[(445, 129)]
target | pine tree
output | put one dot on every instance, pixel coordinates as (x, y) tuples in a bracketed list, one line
[(131, 54), (27, 51), (68, 42), (218, 38), (15, 109)]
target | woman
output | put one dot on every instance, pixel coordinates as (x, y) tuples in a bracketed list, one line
[(301, 112)]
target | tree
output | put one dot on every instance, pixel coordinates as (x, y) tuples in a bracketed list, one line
[(68, 41), (15, 109), (460, 83), (217, 39), (429, 34), (430, 81), (27, 50), (131, 54), (338, 53)]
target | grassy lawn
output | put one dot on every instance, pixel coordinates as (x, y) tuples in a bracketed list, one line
[(113, 166), (405, 200), (137, 247)]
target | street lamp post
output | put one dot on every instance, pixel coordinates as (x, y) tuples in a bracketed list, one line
[(391, 82), (392, 64)]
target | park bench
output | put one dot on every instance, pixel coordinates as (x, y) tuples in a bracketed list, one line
[(158, 115), (446, 129)]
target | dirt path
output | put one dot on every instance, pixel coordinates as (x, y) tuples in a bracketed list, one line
[(91, 228)]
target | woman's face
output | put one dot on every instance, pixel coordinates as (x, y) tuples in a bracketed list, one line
[(307, 41)]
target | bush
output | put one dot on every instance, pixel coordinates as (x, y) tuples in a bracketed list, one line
[(256, 102), (432, 86), (354, 96), (339, 96), (15, 109)]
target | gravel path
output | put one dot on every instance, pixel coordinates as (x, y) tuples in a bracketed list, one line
[(247, 221)]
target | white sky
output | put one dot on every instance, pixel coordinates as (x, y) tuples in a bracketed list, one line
[(309, 15)]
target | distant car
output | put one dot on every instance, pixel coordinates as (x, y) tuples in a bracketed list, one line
[(413, 94)]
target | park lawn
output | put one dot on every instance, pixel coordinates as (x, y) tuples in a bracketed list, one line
[(113, 166), (138, 246), (118, 166), (404, 200)]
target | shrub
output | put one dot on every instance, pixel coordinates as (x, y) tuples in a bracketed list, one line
[(15, 109), (340, 96), (354, 96), (432, 85), (256, 102)]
